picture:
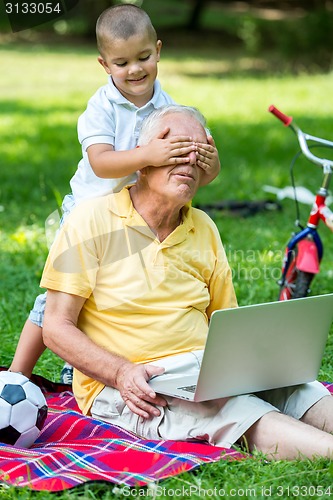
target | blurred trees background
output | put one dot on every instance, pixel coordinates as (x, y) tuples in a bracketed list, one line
[(199, 6), (300, 31), (196, 8), (295, 28)]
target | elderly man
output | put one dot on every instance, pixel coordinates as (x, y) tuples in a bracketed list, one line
[(132, 281)]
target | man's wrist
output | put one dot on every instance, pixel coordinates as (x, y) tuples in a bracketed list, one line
[(123, 366)]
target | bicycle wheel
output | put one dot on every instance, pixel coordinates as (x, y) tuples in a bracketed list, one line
[(302, 284), (296, 284), (287, 288)]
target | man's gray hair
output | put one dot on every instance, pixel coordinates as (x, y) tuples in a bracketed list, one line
[(151, 122)]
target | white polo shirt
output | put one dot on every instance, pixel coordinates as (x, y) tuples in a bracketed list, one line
[(110, 119)]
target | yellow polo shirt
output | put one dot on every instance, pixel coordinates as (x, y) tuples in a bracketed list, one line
[(145, 299)]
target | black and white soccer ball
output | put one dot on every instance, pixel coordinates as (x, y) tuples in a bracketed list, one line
[(23, 410)]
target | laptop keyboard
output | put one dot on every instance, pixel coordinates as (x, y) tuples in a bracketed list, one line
[(188, 388)]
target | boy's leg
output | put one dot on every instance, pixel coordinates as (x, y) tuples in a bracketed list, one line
[(281, 437), (29, 349)]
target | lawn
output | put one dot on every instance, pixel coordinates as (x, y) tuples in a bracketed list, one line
[(43, 91)]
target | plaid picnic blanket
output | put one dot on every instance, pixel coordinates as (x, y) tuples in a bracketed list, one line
[(73, 449)]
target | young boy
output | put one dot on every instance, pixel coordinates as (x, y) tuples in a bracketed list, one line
[(108, 131)]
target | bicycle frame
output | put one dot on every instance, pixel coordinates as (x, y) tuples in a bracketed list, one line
[(305, 250)]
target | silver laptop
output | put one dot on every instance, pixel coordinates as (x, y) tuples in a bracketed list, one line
[(257, 347)]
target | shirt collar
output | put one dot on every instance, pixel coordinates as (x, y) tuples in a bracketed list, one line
[(121, 205)]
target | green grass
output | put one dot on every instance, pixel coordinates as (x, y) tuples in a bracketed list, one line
[(43, 91)]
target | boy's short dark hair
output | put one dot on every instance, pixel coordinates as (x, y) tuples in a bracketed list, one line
[(122, 21)]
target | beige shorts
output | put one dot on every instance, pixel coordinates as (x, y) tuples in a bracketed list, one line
[(220, 422)]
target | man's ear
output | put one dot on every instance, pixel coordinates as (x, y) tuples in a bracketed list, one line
[(103, 63), (144, 171)]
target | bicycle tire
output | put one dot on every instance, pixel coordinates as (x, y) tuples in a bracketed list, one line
[(302, 284), (298, 286), (286, 289)]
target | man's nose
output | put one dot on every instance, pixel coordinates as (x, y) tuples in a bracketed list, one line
[(193, 158)]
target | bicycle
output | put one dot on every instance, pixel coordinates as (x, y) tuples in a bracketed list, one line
[(304, 250)]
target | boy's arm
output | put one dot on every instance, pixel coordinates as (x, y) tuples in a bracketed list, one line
[(110, 164)]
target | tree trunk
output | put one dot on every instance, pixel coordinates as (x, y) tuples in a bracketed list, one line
[(194, 20)]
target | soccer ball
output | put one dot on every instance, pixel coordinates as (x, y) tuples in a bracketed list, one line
[(23, 410)]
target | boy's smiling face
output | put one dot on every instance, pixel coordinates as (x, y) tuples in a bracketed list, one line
[(132, 64)]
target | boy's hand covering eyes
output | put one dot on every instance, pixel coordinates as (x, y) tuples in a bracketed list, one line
[(163, 151), (208, 160)]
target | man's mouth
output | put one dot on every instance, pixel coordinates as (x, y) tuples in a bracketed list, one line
[(185, 174)]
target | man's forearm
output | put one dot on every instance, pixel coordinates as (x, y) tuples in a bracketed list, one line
[(72, 345), (110, 369), (63, 337)]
